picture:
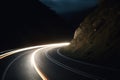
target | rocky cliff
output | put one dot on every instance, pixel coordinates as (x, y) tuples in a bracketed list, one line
[(97, 39)]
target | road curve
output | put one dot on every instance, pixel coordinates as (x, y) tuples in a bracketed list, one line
[(18, 56), (45, 62)]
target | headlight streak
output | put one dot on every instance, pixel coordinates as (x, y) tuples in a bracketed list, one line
[(35, 66), (29, 48), (33, 54), (38, 50)]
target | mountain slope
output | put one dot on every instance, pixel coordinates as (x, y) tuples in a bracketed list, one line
[(97, 39)]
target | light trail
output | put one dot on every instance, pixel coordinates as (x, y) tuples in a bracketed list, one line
[(35, 66), (29, 48), (33, 54), (38, 50)]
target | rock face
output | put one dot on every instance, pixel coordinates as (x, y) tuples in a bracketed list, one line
[(98, 36)]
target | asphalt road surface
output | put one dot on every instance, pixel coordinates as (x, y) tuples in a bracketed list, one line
[(46, 62)]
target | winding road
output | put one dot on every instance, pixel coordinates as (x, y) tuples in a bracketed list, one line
[(45, 62)]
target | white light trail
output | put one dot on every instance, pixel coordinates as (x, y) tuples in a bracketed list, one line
[(29, 48), (38, 50), (35, 66), (33, 54)]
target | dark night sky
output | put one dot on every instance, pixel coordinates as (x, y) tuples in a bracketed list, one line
[(69, 6), (30, 22), (73, 11)]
